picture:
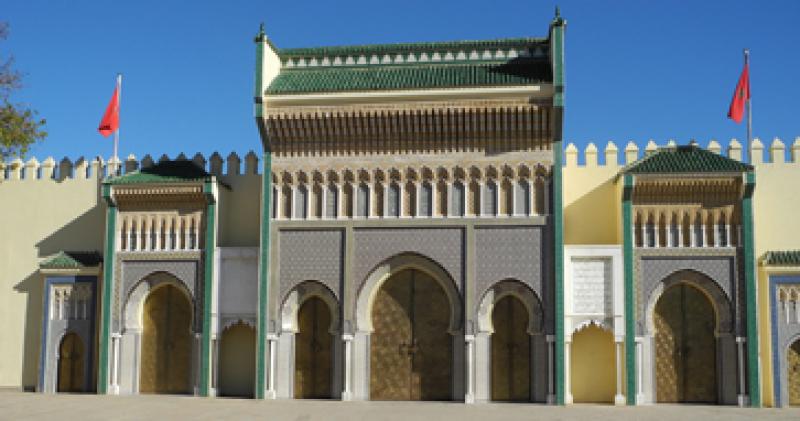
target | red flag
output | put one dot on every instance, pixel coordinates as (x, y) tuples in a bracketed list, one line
[(110, 122), (740, 96)]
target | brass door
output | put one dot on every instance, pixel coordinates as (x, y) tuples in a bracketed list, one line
[(511, 347), (793, 375), (312, 368), (70, 364), (410, 349), (166, 342), (685, 346)]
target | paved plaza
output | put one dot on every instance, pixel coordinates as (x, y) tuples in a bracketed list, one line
[(34, 406)]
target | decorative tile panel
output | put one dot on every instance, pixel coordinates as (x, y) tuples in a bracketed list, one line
[(652, 267), (509, 253), (592, 286), (310, 255), (445, 246)]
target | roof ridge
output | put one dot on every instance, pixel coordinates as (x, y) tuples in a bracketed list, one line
[(683, 159), (408, 46)]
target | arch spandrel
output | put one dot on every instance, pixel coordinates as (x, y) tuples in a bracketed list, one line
[(514, 288), (134, 302), (710, 288), (298, 295), (381, 273)]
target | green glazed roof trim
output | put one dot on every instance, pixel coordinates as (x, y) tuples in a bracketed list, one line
[(685, 159), (72, 260), (782, 258), (411, 47), (177, 171), (420, 76)]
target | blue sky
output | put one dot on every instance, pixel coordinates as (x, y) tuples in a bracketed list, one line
[(635, 69)]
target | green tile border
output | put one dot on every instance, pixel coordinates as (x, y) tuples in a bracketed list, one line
[(557, 49), (108, 288), (263, 276), (630, 326), (208, 287), (753, 362)]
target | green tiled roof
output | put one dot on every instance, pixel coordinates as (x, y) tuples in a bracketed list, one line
[(177, 171), (427, 76), (685, 159), (782, 258), (72, 260), (423, 65), (410, 47)]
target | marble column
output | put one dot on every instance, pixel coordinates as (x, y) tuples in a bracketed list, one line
[(742, 398), (619, 398), (469, 343), (347, 393)]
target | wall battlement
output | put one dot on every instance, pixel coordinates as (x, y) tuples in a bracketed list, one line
[(760, 153), (233, 165), (83, 169)]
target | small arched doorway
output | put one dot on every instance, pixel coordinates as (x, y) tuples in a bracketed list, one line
[(685, 345), (793, 374), (237, 361), (511, 351), (593, 365), (313, 350), (410, 347), (70, 364), (166, 342)]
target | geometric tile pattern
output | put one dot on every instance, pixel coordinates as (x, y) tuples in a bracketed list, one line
[(310, 256)]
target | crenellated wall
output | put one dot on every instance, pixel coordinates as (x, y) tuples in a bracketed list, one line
[(592, 198)]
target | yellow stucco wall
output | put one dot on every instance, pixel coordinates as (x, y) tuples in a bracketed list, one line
[(37, 219), (776, 206), (592, 204), (240, 211)]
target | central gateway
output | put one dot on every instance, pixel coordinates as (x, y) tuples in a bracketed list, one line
[(410, 356)]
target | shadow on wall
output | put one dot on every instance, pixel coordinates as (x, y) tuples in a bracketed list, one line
[(592, 219), (84, 233), (32, 286)]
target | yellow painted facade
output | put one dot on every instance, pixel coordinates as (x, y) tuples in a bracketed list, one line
[(41, 216), (592, 215)]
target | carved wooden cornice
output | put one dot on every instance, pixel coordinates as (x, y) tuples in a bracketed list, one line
[(159, 196), (480, 125), (709, 191)]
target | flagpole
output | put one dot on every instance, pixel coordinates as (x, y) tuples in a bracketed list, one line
[(119, 103), (749, 109)]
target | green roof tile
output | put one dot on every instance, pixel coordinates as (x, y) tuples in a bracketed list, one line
[(420, 76), (72, 260), (782, 258), (412, 47), (686, 159), (177, 171)]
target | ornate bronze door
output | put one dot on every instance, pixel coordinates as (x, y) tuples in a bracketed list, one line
[(312, 367), (685, 346), (166, 342), (793, 375), (70, 364), (410, 348), (511, 347)]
